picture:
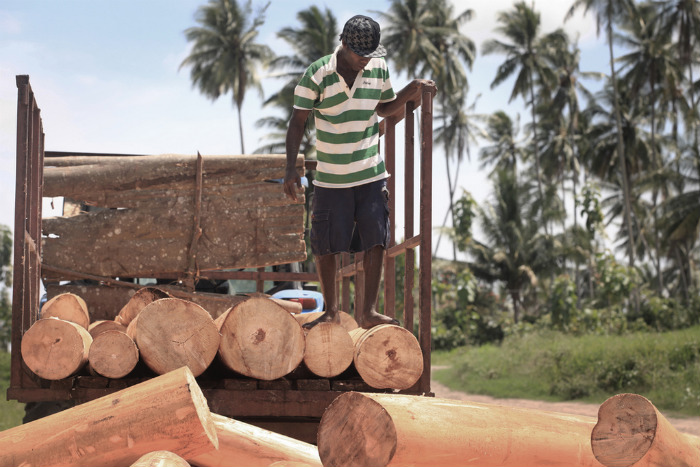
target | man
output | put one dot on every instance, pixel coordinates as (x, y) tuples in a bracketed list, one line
[(346, 90)]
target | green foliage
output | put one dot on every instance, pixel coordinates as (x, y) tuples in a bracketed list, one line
[(464, 214), (11, 412), (551, 365), (6, 277)]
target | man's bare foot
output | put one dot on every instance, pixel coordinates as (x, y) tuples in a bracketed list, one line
[(324, 318), (375, 319)]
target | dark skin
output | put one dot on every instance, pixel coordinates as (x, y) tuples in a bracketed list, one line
[(349, 65)]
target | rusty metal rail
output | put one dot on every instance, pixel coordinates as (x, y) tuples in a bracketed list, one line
[(25, 386)]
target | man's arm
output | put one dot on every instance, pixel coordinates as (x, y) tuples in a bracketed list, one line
[(408, 93), (295, 133)]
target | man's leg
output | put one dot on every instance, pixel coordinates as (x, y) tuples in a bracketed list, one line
[(372, 263), (327, 267)]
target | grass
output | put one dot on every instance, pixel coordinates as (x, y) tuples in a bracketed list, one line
[(11, 412), (664, 367)]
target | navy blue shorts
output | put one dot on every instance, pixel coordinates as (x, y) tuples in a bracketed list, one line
[(350, 219)]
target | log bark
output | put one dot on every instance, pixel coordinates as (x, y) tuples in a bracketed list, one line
[(113, 354), (138, 302), (55, 349), (329, 348), (632, 432), (247, 445), (160, 459), (168, 412), (260, 339), (171, 333), (98, 327), (380, 430), (387, 356), (68, 307), (346, 319)]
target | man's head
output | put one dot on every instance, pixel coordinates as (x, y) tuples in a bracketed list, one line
[(361, 35)]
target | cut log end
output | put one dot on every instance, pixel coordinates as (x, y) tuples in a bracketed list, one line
[(160, 459), (69, 307), (329, 350), (345, 427), (625, 430), (55, 349), (113, 354)]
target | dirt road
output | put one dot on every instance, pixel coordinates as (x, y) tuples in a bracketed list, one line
[(685, 425)]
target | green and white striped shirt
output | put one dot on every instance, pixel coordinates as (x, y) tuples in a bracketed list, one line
[(347, 128)]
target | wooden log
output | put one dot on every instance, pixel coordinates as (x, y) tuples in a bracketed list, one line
[(346, 319), (103, 302), (387, 356), (361, 429), (138, 302), (55, 349), (68, 307), (248, 445), (260, 339), (98, 327), (160, 459), (168, 412), (632, 432), (172, 332), (329, 348), (113, 354)]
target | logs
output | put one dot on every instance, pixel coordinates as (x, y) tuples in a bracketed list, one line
[(631, 432), (380, 430), (247, 445), (98, 327), (138, 302), (387, 356), (55, 349), (329, 349), (346, 320), (172, 332), (260, 339), (160, 459), (113, 354), (69, 307), (168, 412)]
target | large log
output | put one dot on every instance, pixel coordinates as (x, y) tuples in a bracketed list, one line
[(247, 445), (380, 430), (113, 354), (632, 432), (98, 327), (138, 302), (172, 332), (68, 307), (260, 339), (164, 413), (387, 356), (329, 348), (55, 349), (160, 459)]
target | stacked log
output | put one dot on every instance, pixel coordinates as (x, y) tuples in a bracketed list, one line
[(631, 432), (138, 302), (329, 348), (113, 354), (380, 430), (168, 412), (69, 307), (260, 339), (98, 327), (160, 459)]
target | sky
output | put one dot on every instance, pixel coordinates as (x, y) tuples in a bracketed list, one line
[(107, 78)]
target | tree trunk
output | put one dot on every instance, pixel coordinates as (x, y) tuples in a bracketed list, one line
[(160, 459), (98, 327), (172, 332), (380, 430), (346, 319), (138, 302), (113, 354), (247, 445), (387, 356), (55, 349), (68, 307), (168, 412), (329, 349), (260, 339), (631, 432)]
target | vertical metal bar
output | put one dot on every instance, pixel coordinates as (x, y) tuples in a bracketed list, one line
[(409, 188), (18, 297), (259, 282), (426, 201), (390, 263), (34, 220)]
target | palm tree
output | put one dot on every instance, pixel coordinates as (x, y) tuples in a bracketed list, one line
[(317, 36), (513, 252), (607, 12), (224, 55), (528, 56), (505, 151)]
